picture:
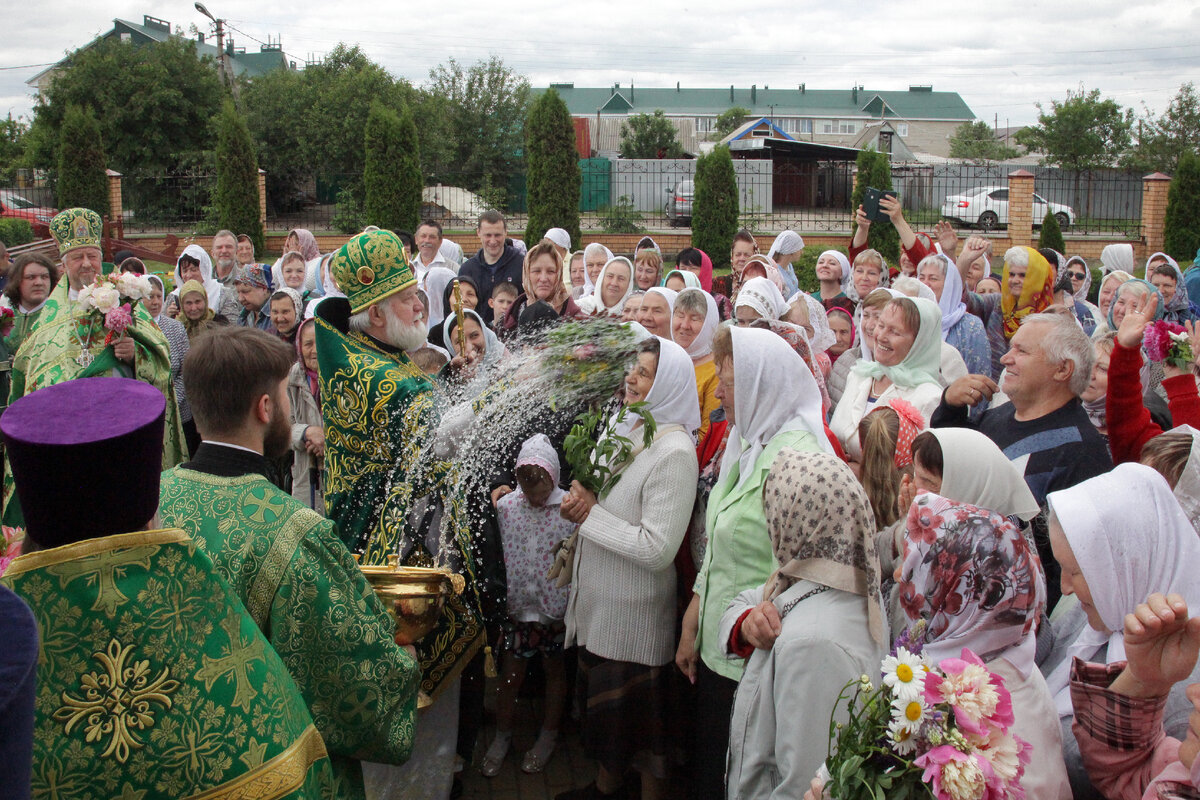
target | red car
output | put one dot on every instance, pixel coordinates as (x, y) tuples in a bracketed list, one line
[(14, 205)]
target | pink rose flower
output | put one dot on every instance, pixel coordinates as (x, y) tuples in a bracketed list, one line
[(119, 319)]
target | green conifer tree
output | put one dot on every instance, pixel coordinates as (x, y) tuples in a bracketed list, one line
[(715, 208), (875, 171), (553, 179), (1182, 225), (392, 178), (82, 181), (1051, 235), (235, 200)]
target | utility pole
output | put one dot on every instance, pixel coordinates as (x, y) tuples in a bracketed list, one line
[(220, 23)]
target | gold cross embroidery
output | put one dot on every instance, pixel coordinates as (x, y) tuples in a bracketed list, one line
[(262, 505), (103, 569), (235, 662)]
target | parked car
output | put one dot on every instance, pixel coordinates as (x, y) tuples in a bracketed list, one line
[(988, 208), (14, 205), (679, 202)]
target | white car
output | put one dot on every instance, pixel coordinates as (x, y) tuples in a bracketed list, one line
[(988, 208)]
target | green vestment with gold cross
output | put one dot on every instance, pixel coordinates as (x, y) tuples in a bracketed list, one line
[(379, 415), (153, 681), (306, 593)]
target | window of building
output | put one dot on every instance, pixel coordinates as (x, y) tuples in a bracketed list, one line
[(705, 124), (902, 129), (788, 124), (806, 126), (847, 127), (829, 126)]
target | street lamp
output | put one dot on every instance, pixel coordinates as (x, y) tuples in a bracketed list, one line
[(220, 23)]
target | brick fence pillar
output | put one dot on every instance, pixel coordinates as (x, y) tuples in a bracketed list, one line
[(262, 200), (116, 208), (1020, 207), (1154, 210)]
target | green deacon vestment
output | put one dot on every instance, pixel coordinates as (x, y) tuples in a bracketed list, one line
[(305, 591), (379, 415), (153, 682)]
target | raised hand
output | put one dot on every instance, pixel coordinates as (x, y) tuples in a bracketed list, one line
[(1133, 326), (891, 206), (1161, 645), (946, 237)]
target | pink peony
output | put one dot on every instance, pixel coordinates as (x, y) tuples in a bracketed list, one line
[(954, 775), (978, 697), (118, 319), (1157, 339)]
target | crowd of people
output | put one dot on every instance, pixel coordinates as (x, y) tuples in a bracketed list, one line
[(982, 443)]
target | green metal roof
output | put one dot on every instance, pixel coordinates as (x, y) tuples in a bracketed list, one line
[(914, 103), (250, 64)]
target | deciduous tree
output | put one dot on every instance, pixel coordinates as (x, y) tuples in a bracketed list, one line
[(1162, 140), (730, 120), (976, 141), (1080, 133), (650, 136)]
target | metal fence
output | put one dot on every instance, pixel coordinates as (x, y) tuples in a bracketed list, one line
[(629, 196)]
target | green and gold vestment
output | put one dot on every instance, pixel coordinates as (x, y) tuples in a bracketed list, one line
[(306, 593), (153, 682)]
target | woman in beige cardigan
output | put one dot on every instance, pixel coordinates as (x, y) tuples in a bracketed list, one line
[(621, 611)]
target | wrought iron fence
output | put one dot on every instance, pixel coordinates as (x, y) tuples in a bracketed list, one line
[(167, 203)]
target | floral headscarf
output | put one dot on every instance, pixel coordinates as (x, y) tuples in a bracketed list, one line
[(307, 244), (977, 582), (1037, 292), (770, 272), (822, 529)]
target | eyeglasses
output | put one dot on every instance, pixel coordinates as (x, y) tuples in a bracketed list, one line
[(1078, 276)]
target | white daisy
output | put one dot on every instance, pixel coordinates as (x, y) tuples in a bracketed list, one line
[(910, 712), (905, 674), (903, 737)]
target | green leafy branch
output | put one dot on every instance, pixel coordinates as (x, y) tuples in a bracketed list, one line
[(596, 451)]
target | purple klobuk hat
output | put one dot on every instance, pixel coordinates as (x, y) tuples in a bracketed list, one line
[(86, 457)]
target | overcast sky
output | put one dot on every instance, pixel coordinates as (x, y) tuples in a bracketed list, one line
[(1002, 57)]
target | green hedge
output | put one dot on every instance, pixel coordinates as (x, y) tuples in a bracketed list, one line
[(15, 231)]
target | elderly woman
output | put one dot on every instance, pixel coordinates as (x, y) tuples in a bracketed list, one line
[(647, 268), (784, 250), (308, 431), (1081, 281), (194, 312), (1119, 537), (815, 625), (758, 299), (573, 274), (33, 276), (287, 309), (772, 402), (614, 284), (869, 273), (655, 312), (906, 365), (693, 325), (1026, 287), (1109, 285), (621, 612), (194, 264), (595, 257), (178, 343), (962, 331), (1164, 273), (869, 311), (974, 581), (541, 279)]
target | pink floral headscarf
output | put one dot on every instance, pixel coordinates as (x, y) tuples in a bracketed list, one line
[(976, 581)]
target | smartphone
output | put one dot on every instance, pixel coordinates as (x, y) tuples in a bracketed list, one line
[(871, 200)]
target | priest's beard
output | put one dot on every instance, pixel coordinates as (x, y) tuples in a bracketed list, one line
[(279, 435), (402, 336)]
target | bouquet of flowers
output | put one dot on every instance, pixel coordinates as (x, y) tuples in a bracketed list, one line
[(10, 546), (927, 730), (589, 358), (112, 300), (1168, 342)]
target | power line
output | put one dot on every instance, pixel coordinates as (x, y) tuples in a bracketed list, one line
[(30, 66)]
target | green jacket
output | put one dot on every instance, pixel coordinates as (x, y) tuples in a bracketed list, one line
[(739, 555)]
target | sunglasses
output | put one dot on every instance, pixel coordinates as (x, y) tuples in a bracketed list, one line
[(1077, 276)]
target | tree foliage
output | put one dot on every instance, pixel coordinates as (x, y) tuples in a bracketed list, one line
[(235, 200), (715, 208), (82, 181), (392, 175), (153, 104), (552, 169), (12, 145), (1182, 225), (976, 141), (1162, 140), (1081, 133), (1051, 234), (650, 136), (474, 118), (875, 170), (730, 120)]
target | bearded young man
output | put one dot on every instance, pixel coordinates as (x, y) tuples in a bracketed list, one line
[(285, 561)]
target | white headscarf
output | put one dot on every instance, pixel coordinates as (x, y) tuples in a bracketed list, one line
[(588, 286), (1081, 295), (494, 347), (952, 304), (560, 237), (1130, 537), (823, 336), (975, 471), (331, 289), (672, 399), (594, 303), (669, 294), (702, 344), (923, 364), (847, 271), (538, 451), (763, 296), (436, 281), (773, 392), (787, 242), (1187, 490), (211, 286), (1116, 257)]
